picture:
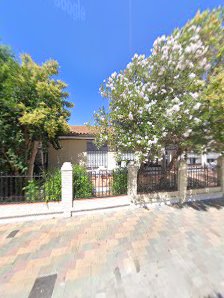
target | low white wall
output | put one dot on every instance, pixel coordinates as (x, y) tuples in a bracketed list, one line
[(149, 198), (208, 190), (33, 211), (204, 196), (174, 197)]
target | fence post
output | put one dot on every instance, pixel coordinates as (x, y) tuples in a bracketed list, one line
[(182, 180), (132, 180), (221, 172), (67, 189)]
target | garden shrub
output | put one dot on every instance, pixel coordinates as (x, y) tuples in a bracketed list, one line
[(51, 189), (44, 188), (82, 184), (48, 188), (120, 181), (31, 191)]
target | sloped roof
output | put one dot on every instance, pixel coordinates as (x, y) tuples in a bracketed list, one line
[(82, 130)]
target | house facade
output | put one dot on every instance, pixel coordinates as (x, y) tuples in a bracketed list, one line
[(202, 159), (78, 147)]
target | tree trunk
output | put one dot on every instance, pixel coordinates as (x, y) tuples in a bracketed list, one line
[(174, 159), (171, 165), (42, 157), (32, 158)]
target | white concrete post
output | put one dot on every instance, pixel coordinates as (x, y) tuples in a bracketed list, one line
[(132, 181), (221, 172), (67, 189), (182, 180), (204, 159)]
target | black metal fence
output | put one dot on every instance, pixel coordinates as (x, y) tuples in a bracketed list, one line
[(101, 183), (202, 177), (106, 183), (45, 188), (156, 178), (23, 189)]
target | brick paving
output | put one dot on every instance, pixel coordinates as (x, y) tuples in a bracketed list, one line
[(160, 252)]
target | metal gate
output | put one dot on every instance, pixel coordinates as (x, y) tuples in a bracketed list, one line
[(156, 179)]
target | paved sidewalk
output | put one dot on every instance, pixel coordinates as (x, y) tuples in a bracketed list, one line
[(161, 252)]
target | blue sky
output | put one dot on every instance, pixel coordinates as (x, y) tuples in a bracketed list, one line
[(90, 38)]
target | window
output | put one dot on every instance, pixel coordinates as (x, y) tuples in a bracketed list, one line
[(96, 157), (124, 159), (209, 160), (192, 160), (127, 156)]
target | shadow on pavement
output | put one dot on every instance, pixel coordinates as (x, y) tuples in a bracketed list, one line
[(201, 206)]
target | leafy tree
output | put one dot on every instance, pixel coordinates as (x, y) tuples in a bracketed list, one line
[(5, 53), (161, 100), (214, 109), (9, 131), (33, 111)]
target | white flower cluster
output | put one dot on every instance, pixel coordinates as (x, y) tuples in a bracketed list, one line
[(144, 107)]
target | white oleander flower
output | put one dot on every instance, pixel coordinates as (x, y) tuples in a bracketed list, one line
[(114, 75), (197, 121), (192, 76), (197, 106), (130, 116)]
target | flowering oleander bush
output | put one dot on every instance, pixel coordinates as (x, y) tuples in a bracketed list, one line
[(160, 100)]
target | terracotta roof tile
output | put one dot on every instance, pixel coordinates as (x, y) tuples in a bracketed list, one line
[(82, 130)]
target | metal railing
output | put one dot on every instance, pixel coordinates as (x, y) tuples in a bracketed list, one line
[(24, 189), (102, 182), (155, 179), (45, 188), (202, 177), (105, 183)]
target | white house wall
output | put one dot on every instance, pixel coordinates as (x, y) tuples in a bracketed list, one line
[(74, 151), (111, 161)]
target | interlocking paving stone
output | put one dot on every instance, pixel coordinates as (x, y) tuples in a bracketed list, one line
[(43, 287), (156, 252)]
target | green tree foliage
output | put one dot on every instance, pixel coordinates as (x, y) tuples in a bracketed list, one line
[(52, 186), (34, 110), (214, 108), (82, 184), (120, 181), (48, 188)]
